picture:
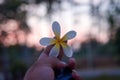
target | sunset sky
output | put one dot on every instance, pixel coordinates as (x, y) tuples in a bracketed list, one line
[(71, 14), (70, 17)]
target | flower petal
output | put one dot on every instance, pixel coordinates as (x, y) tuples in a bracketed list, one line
[(55, 51), (67, 50), (69, 35), (46, 41), (56, 29)]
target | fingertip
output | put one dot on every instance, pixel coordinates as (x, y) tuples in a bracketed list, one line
[(74, 72), (72, 60), (75, 75), (72, 63), (47, 49), (61, 64)]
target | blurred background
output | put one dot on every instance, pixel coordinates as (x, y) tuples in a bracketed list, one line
[(96, 47)]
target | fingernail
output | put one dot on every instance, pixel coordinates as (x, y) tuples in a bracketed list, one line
[(74, 71), (63, 63)]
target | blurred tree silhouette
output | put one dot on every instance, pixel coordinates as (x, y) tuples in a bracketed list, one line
[(117, 41), (9, 9), (49, 4), (112, 17), (114, 22), (112, 47)]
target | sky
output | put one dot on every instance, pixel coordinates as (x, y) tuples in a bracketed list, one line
[(70, 17), (71, 14)]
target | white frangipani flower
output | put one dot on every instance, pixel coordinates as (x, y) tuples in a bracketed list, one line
[(58, 42)]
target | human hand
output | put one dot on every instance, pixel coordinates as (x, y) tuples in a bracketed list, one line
[(43, 68)]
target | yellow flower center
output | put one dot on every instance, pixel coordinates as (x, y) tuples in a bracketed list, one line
[(58, 41)]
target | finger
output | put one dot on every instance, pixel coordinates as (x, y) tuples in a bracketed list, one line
[(53, 61), (61, 64), (47, 49), (44, 60), (76, 75), (45, 53), (56, 63), (72, 63)]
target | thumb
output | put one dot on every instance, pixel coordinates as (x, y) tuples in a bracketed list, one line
[(45, 52), (46, 60), (49, 60)]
